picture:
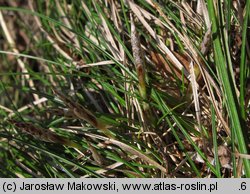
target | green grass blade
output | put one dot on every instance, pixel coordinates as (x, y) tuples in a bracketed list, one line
[(230, 95)]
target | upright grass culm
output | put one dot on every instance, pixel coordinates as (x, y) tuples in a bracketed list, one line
[(229, 95), (244, 62)]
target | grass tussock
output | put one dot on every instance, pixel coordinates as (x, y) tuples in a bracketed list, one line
[(124, 88)]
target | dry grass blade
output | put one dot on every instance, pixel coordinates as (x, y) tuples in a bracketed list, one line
[(96, 156), (50, 38), (110, 167), (246, 156), (15, 50), (109, 37), (31, 105), (131, 150), (42, 134), (66, 21), (195, 95), (109, 62), (161, 45), (82, 113), (202, 10)]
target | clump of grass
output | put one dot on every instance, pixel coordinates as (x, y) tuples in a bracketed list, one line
[(124, 89)]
